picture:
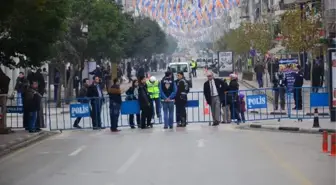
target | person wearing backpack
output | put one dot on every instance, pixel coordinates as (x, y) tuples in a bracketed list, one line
[(181, 100)]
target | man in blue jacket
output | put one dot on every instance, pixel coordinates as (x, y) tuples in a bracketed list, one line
[(167, 94)]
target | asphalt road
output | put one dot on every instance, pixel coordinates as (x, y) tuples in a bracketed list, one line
[(196, 155)]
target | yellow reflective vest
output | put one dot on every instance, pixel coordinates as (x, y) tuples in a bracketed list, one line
[(153, 89), (193, 64)]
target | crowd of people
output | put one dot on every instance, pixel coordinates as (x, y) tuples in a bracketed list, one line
[(147, 92), (224, 99)]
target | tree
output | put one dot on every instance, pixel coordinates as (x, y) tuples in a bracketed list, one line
[(171, 45), (235, 40), (149, 37), (105, 31), (259, 35), (300, 29), (28, 28)]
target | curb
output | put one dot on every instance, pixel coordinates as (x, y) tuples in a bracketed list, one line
[(286, 129), (24, 142)]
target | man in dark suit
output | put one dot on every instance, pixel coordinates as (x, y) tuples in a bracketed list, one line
[(95, 93), (213, 90)]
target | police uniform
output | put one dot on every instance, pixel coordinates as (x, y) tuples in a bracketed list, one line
[(297, 91), (154, 93), (181, 102), (193, 68)]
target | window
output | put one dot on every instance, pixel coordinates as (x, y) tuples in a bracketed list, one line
[(179, 67)]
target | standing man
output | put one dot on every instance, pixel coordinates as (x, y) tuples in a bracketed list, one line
[(145, 104), (21, 84), (82, 98), (167, 94), (260, 70), (32, 101), (279, 88), (297, 89), (214, 93), (181, 100), (153, 87), (97, 99), (193, 67), (114, 93)]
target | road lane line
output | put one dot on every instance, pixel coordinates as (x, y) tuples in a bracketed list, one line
[(298, 175), (129, 162), (200, 143), (77, 151)]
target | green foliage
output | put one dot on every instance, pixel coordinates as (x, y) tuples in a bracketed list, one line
[(28, 28), (171, 45), (44, 30), (300, 33), (260, 36), (235, 40), (149, 37)]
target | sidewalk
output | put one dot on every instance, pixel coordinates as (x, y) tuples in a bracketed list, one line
[(19, 139), (292, 125), (307, 110)]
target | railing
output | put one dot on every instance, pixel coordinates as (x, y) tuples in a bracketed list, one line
[(259, 106)]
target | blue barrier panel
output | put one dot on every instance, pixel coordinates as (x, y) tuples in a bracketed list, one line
[(193, 103), (256, 101), (319, 99), (79, 110), (15, 109), (130, 107)]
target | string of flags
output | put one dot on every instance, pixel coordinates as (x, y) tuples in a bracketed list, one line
[(185, 17)]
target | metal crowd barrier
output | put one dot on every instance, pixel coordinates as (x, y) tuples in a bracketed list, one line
[(259, 106)]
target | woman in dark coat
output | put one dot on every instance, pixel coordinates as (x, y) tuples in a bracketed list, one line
[(133, 94)]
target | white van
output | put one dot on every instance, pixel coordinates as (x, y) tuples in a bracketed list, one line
[(175, 67)]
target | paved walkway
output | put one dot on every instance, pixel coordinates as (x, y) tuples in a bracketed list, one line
[(305, 125), (307, 110)]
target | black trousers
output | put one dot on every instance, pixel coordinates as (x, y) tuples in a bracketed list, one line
[(96, 107), (298, 98), (131, 119), (181, 112), (146, 117)]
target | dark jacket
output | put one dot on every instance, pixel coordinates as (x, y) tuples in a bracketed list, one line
[(227, 97), (279, 81), (169, 92), (298, 82), (93, 93), (31, 100), (21, 84), (207, 92), (143, 97), (83, 95), (182, 89), (114, 94), (317, 77), (233, 91), (41, 83)]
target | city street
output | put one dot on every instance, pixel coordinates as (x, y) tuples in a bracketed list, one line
[(198, 155)]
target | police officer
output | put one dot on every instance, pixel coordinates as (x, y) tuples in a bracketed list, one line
[(297, 91), (153, 88), (279, 88), (181, 100), (193, 67)]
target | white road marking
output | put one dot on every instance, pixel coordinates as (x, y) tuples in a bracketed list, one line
[(77, 151), (200, 143), (129, 162)]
